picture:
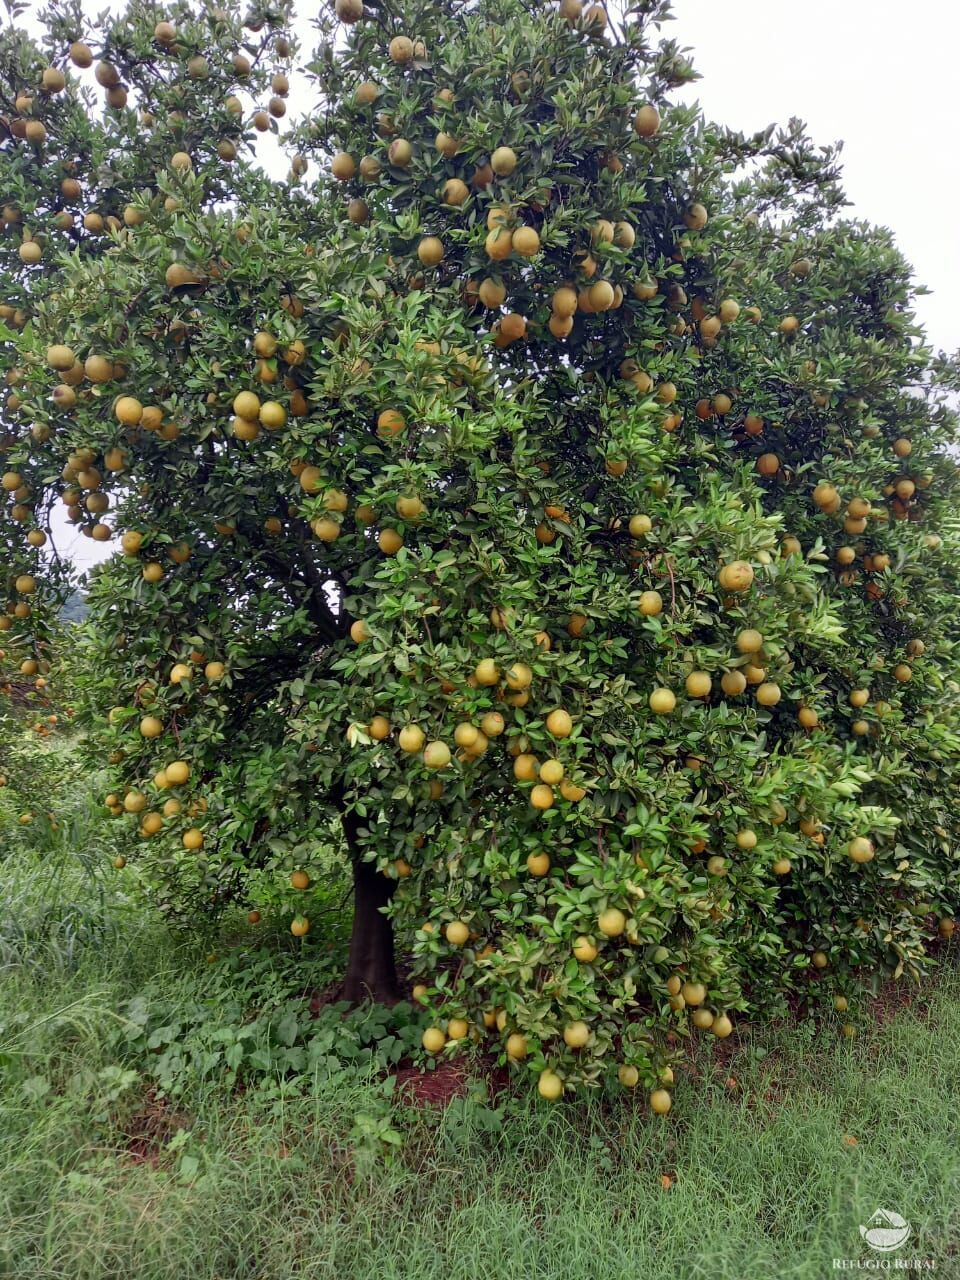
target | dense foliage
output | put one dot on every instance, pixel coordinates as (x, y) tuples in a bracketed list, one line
[(38, 757), (545, 508)]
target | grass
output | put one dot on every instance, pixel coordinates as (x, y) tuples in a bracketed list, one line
[(335, 1177)]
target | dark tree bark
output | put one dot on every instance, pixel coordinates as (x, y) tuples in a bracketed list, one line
[(371, 967)]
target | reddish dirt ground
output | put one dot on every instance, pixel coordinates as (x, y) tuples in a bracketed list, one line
[(151, 1128), (448, 1080)]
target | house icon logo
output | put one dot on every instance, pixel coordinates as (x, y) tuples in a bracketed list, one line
[(885, 1231)]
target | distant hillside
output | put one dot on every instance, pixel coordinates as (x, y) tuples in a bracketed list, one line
[(75, 607)]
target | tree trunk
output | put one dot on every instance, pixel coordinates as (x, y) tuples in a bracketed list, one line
[(371, 969)]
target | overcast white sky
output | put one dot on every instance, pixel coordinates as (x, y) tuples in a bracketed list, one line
[(877, 74), (881, 76)]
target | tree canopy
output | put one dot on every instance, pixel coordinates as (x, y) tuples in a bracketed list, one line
[(540, 500)]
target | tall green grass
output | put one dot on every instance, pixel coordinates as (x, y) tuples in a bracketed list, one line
[(769, 1178)]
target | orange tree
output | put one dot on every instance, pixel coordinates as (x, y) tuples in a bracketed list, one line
[(37, 762), (540, 496)]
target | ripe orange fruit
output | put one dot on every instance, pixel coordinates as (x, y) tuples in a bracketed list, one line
[(446, 144), (695, 216), (698, 684), (611, 922), (486, 672), (433, 1039), (430, 251), (498, 243), (768, 694), (436, 755), (559, 723), (662, 701), (457, 932), (503, 161), (826, 497), (390, 423), (660, 1102), (513, 327), (584, 950), (465, 734), (493, 724), (576, 1034), (411, 739), (455, 192), (768, 464), (389, 542), (526, 242), (549, 1085), (736, 576), (646, 122), (541, 796), (721, 1026), (177, 773), (601, 296), (861, 850), (401, 50), (517, 1048), (551, 772)]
